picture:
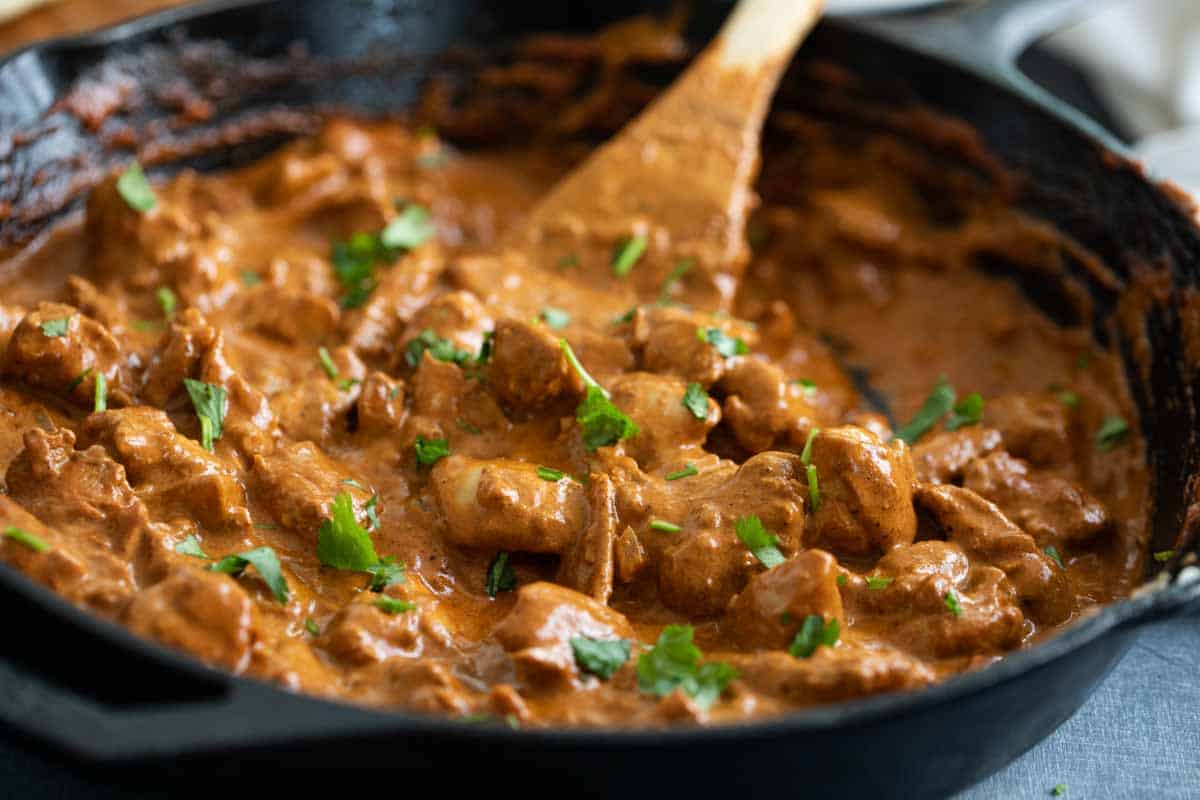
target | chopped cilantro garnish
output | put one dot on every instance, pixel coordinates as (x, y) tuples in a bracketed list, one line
[(814, 632), (430, 451), (842, 580), (625, 317), (468, 427), (100, 393), (555, 318), (968, 411), (627, 253), (311, 626), (814, 486), (372, 512), (500, 576), (22, 536), (78, 379), (392, 605), (190, 546), (809, 387), (135, 189), (550, 474), (355, 260), (412, 228), (347, 384), (1052, 551), (695, 400), (1064, 396), (440, 349), (878, 582), (724, 344), (209, 401), (1059, 790), (264, 560), (327, 363), (147, 325), (953, 604), (806, 453), (600, 420), (939, 403), (1111, 433), (600, 657), (342, 542), (674, 663), (387, 572), (762, 543), (688, 471), (1163, 556), (680, 269), (167, 301), (53, 328), (250, 277), (664, 526)]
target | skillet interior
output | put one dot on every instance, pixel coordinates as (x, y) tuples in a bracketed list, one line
[(1136, 228)]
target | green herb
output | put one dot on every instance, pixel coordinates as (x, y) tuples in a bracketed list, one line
[(500, 576), (468, 427), (1059, 790), (190, 546), (209, 401), (441, 350), (22, 536), (810, 387), (724, 344), (601, 422), (348, 384), (627, 253), (761, 542), (814, 632), (878, 582), (806, 453), (550, 474), (264, 560), (412, 228), (135, 189), (342, 542), (327, 363), (555, 318), (354, 264), (626, 317), (680, 269), (1111, 433), (953, 604), (167, 301), (695, 400), (842, 580), (100, 393), (387, 572), (390, 605), (147, 325), (1163, 556), (371, 511), (674, 663), (969, 411), (600, 657), (814, 486), (1052, 551), (53, 328), (78, 379), (568, 261), (687, 472), (1066, 397), (311, 626), (250, 278), (664, 526), (430, 451), (939, 403)]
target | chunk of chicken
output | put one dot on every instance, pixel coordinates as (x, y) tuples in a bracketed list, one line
[(670, 340), (505, 505), (1034, 427), (669, 433), (762, 406), (866, 489), (298, 482), (457, 317), (188, 338), (767, 612), (831, 674), (587, 565), (292, 316), (314, 408), (361, 633), (942, 457), (58, 350), (529, 371)]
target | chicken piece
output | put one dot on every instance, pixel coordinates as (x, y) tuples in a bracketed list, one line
[(457, 317), (361, 633), (380, 405), (169, 472), (404, 288), (58, 350), (298, 482), (189, 337), (987, 536), (763, 406), (669, 433), (767, 612), (287, 315), (830, 675), (106, 309), (505, 505), (426, 687), (1053, 510), (911, 611), (313, 408), (442, 394), (671, 341), (249, 424), (942, 457), (866, 490), (587, 565), (1034, 427), (200, 612), (538, 631), (529, 371), (706, 563), (81, 493), (10, 318)]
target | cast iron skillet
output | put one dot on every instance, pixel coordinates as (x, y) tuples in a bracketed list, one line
[(91, 691)]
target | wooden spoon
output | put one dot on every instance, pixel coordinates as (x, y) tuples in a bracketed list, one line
[(676, 180)]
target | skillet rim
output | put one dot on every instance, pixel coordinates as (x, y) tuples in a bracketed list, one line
[(1148, 605)]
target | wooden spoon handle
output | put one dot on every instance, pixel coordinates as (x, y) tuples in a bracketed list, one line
[(761, 31)]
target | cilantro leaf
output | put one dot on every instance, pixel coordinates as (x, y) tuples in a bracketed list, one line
[(1052, 551), (806, 453), (724, 344), (54, 328), (600, 420), (674, 663), (762, 543), (695, 400), (135, 189), (430, 451), (342, 542), (969, 411), (627, 253), (392, 605), (550, 474), (1111, 433), (387, 572), (100, 394), (167, 300), (600, 657), (877, 582), (264, 560), (681, 268), (814, 632), (555, 318), (688, 471), (1163, 556), (939, 403), (664, 526), (500, 576), (190, 546), (411, 228), (327, 363), (22, 536), (814, 486), (311, 626), (440, 349), (953, 604), (209, 401)]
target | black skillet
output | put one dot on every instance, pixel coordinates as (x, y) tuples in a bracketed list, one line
[(91, 692)]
